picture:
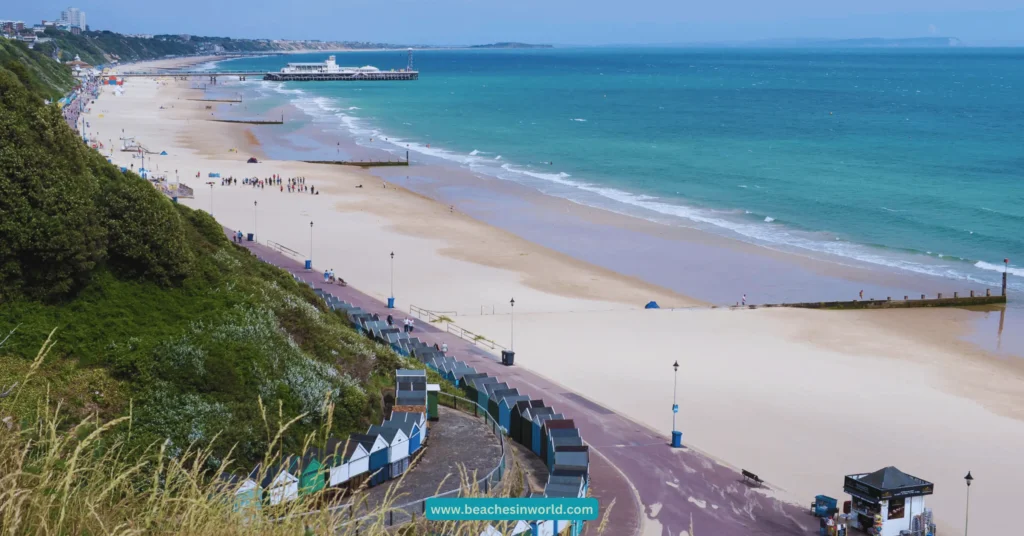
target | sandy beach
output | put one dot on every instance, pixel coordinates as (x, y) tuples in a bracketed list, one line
[(800, 397)]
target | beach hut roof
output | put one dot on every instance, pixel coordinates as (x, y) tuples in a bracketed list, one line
[(405, 426), (411, 372), (560, 442), (572, 458), (542, 418), (366, 440), (431, 387), (407, 416), (511, 401), (288, 466), (479, 383), (493, 388), (532, 412), (391, 435), (559, 423)]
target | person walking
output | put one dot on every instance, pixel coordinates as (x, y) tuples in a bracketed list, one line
[(444, 347), (744, 299)]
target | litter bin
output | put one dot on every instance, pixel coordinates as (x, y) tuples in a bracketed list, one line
[(249, 237), (174, 200), (391, 303), (677, 439), (309, 264), (508, 358)]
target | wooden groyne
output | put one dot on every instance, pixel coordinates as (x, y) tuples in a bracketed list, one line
[(363, 163), (940, 300), (360, 163), (250, 121), (216, 100)]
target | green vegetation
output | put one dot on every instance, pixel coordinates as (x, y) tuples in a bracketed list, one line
[(38, 73), (84, 477), (155, 309)]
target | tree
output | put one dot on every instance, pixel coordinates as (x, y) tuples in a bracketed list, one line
[(52, 235)]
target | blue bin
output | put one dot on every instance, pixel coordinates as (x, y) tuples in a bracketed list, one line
[(391, 303), (249, 237), (309, 265), (677, 439), (174, 200)]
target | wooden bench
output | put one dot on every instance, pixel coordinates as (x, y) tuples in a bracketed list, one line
[(751, 477)]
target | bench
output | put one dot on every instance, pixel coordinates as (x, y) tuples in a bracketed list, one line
[(751, 477)]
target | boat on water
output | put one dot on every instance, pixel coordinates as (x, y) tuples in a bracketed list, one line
[(331, 71)]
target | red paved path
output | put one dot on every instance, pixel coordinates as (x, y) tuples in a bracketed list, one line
[(630, 464)]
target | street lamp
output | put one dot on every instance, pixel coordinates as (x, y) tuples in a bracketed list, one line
[(512, 325), (211, 197), (677, 436), (391, 300), (254, 236), (967, 513), (309, 261)]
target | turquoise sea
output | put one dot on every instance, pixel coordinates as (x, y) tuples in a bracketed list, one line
[(909, 160)]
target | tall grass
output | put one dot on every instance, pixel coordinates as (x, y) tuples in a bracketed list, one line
[(58, 477)]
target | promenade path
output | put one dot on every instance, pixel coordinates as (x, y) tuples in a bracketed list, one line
[(656, 489)]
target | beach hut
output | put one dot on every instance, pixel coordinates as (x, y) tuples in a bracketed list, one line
[(245, 491), (505, 410), (433, 392), (558, 438), (398, 450), (537, 428), (495, 399), (529, 416), (490, 389), (467, 379), (412, 424), (311, 474), (335, 461), (517, 421), (411, 401), (572, 460), (280, 482), (477, 386), (548, 425), (354, 467), (461, 371), (566, 487), (377, 447)]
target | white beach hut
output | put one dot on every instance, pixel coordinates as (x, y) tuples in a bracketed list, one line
[(281, 483)]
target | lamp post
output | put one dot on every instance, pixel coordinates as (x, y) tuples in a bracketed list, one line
[(254, 236), (967, 512), (677, 436), (391, 300), (310, 245), (211, 197), (512, 325)]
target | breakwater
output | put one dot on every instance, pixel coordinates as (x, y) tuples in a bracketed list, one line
[(940, 300)]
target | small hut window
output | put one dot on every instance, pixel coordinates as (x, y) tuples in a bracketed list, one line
[(896, 508)]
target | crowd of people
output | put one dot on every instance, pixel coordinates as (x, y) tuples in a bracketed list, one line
[(291, 185)]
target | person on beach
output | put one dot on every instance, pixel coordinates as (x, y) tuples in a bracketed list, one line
[(444, 348), (862, 294), (412, 325), (744, 299), (326, 276), (391, 320)]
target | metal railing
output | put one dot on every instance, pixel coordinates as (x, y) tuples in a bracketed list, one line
[(284, 249), (407, 512), (477, 339), (431, 315)]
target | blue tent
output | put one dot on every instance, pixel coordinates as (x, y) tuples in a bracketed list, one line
[(652, 305), (163, 153)]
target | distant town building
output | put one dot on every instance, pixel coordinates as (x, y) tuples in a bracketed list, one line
[(11, 27), (73, 17)]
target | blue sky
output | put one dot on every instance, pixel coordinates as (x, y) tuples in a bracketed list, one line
[(588, 22)]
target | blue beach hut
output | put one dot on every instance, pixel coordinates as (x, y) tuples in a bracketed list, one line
[(537, 429), (495, 399), (505, 410), (377, 446)]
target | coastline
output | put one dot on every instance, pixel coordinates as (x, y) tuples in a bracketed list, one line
[(456, 261)]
